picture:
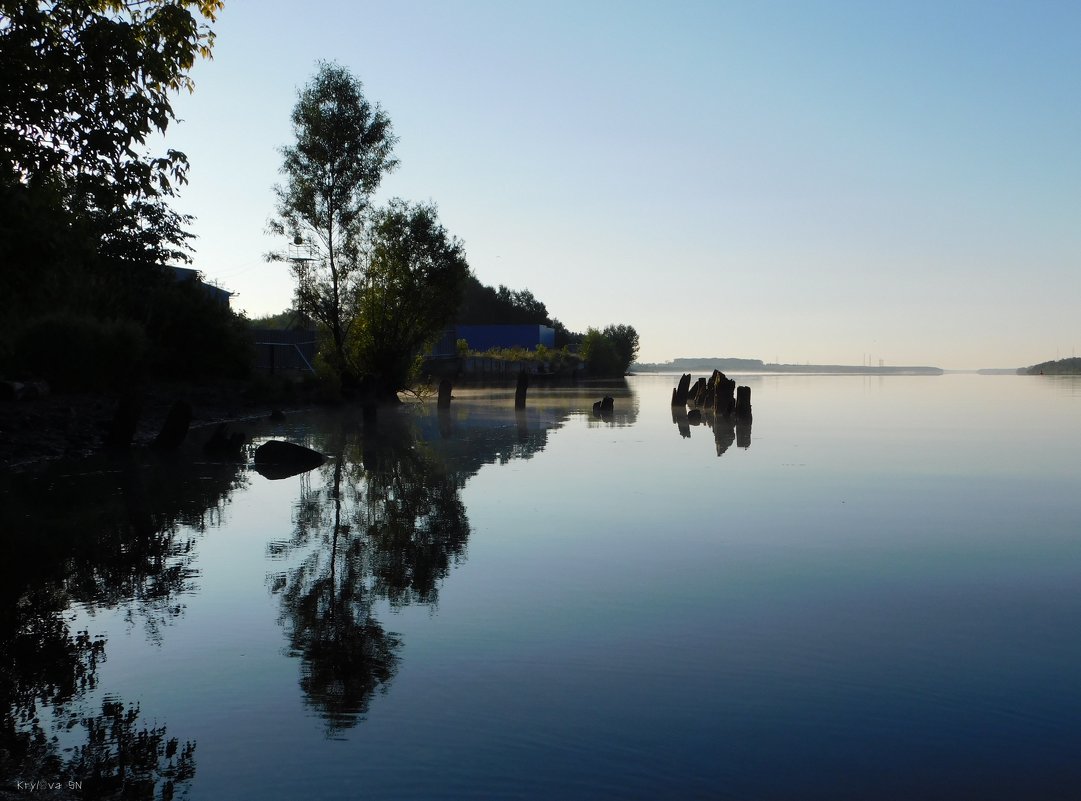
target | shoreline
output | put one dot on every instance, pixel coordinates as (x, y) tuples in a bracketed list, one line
[(71, 426)]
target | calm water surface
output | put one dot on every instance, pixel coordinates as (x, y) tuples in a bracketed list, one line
[(874, 592)]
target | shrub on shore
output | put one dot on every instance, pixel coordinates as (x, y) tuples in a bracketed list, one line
[(80, 352)]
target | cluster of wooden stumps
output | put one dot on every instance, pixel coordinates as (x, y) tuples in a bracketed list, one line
[(718, 394), (717, 402)]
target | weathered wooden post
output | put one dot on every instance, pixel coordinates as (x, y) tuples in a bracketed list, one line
[(743, 403), (679, 394), (698, 392), (707, 399), (519, 393), (444, 394), (724, 402)]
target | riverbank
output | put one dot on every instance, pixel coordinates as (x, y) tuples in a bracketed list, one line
[(73, 425)]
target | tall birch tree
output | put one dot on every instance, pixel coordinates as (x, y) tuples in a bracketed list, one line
[(344, 146)]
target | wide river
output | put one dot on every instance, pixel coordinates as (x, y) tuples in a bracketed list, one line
[(874, 592)]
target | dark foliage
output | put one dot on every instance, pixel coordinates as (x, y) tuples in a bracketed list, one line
[(343, 147), (410, 290), (611, 351), (85, 225), (485, 305)]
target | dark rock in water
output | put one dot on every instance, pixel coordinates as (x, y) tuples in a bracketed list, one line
[(278, 459), (224, 444), (694, 416), (175, 429), (121, 431), (277, 415)]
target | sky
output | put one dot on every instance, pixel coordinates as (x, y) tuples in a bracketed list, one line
[(823, 182)]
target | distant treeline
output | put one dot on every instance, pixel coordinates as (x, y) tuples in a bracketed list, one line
[(1071, 366), (690, 365)]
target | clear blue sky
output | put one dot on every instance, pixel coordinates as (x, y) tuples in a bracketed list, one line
[(802, 181)]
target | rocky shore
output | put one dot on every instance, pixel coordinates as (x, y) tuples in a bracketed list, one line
[(53, 426)]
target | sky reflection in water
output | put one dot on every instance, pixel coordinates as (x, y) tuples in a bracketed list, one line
[(878, 597)]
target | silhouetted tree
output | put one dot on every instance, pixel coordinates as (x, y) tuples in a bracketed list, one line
[(85, 83), (343, 148), (86, 225), (624, 341), (412, 285), (611, 351), (485, 305)]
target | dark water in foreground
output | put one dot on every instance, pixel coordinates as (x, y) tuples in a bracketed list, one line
[(873, 593)]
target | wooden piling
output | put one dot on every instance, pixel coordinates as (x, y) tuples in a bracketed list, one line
[(519, 393), (444, 394), (743, 403), (679, 395)]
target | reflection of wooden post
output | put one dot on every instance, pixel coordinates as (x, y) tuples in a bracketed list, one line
[(724, 403), (743, 433), (743, 403), (444, 394), (679, 417), (519, 393)]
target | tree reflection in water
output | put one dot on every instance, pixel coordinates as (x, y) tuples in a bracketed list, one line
[(385, 523), (102, 534)]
